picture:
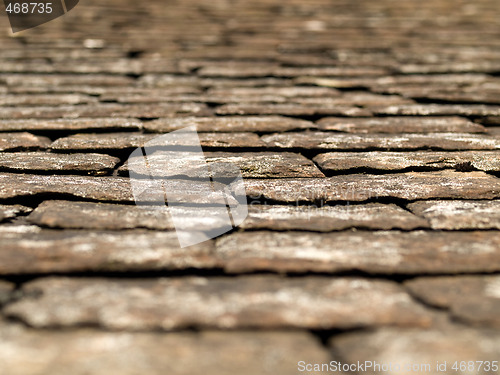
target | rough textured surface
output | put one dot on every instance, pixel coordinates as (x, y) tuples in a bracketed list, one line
[(70, 124), (472, 299), (11, 211), (45, 161), (22, 141), (368, 137), (360, 187), (252, 165), (391, 161), (89, 215), (459, 214), (199, 302), (422, 348), (395, 125), (230, 124), (31, 250), (96, 188), (443, 141), (92, 351), (118, 141), (329, 218), (374, 252)]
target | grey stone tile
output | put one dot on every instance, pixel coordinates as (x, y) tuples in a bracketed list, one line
[(330, 218), (22, 141), (31, 250), (224, 303), (333, 141), (11, 211), (473, 300), (251, 165), (70, 124), (361, 187), (230, 124), (116, 189), (46, 161), (117, 141), (405, 124), (387, 252), (93, 351), (392, 161), (104, 110), (46, 99), (290, 110), (439, 110), (422, 348), (457, 215)]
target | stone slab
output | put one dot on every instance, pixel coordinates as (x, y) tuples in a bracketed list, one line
[(381, 252), (395, 125), (46, 161), (332, 141), (330, 218), (22, 141), (362, 187), (225, 303), (459, 215), (86, 351), (488, 161)]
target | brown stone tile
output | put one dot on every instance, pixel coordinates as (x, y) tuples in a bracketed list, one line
[(46, 99), (93, 352), (118, 141), (11, 211), (422, 348), (392, 161), (343, 71), (167, 80), (46, 161), (456, 215), (439, 110), (362, 99), (264, 83), (287, 92), (17, 141), (31, 250), (224, 303), (251, 165), (385, 252), (291, 110), (48, 80), (237, 69), (70, 124), (360, 187), (104, 188), (474, 300), (101, 141), (395, 125), (230, 124), (122, 94), (104, 110), (333, 141), (101, 216), (330, 218)]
